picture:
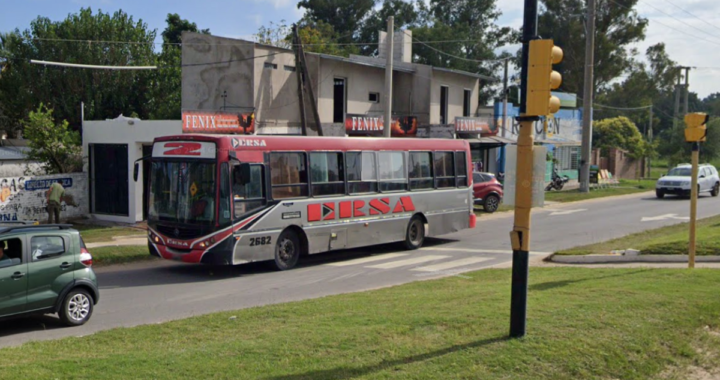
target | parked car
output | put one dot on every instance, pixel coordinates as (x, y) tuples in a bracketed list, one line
[(678, 180), (487, 191), (46, 269)]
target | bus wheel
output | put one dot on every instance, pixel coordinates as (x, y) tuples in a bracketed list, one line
[(415, 234), (287, 250)]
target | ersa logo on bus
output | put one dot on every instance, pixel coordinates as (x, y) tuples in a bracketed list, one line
[(353, 209), (247, 142)]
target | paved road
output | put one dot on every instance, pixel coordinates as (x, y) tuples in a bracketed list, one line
[(156, 292)]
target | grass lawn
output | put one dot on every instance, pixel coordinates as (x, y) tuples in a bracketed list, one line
[(582, 324), (94, 233), (625, 187), (120, 254), (670, 240)]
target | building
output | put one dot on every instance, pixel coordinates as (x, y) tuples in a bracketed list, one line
[(247, 77)]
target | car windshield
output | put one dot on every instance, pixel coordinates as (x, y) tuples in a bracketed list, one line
[(679, 172), (182, 192)]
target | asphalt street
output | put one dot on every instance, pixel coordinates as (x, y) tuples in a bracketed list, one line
[(146, 293)]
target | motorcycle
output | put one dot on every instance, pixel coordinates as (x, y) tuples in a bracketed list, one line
[(557, 181)]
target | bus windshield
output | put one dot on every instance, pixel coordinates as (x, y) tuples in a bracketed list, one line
[(182, 192)]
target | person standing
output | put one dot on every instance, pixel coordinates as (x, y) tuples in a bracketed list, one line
[(54, 195)]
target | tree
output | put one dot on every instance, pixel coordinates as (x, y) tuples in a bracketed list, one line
[(167, 87), (78, 39), (620, 132), (679, 151), (406, 15), (617, 27), (344, 16), (54, 145), (317, 36)]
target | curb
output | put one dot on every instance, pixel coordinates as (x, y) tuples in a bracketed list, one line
[(605, 259), (135, 241)]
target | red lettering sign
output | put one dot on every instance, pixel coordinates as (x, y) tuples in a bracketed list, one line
[(182, 149), (353, 209)]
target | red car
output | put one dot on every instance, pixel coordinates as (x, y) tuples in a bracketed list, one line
[(487, 191)]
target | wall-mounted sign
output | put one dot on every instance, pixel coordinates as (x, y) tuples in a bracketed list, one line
[(366, 125), (471, 125), (218, 122), (44, 184)]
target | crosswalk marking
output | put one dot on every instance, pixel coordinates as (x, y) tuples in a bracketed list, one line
[(402, 263), (367, 259), (452, 264), (471, 250)]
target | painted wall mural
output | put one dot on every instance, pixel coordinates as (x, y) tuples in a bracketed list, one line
[(23, 198)]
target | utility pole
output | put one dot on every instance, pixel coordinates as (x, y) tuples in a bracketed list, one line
[(298, 74), (389, 39), (305, 77), (650, 137), (505, 96), (686, 88), (677, 101), (224, 96), (588, 98)]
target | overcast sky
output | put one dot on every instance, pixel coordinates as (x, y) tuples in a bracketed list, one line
[(692, 39)]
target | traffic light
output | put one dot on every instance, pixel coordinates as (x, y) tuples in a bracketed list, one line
[(542, 79), (695, 128)]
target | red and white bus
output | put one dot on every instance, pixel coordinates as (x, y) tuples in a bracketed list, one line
[(230, 199)]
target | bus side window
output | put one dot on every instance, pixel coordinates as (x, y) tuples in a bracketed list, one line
[(361, 172), (392, 175), (444, 170), (247, 196), (461, 169)]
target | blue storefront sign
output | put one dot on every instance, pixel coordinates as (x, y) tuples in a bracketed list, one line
[(44, 184)]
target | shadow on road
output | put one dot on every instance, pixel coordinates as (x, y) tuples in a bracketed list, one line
[(29, 324), (559, 284), (164, 272), (353, 372)]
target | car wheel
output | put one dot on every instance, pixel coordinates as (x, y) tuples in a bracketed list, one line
[(287, 250), (659, 193), (77, 307), (491, 204), (715, 190), (415, 234)]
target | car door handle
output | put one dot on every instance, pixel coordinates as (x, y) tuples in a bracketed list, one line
[(17, 275), (65, 265)]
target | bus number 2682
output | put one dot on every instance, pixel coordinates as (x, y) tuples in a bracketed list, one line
[(260, 241)]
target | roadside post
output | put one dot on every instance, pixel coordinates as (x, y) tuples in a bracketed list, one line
[(537, 81), (695, 132)]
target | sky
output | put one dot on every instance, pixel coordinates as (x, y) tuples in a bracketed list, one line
[(689, 28)]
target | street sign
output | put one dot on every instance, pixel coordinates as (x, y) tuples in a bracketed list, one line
[(538, 182)]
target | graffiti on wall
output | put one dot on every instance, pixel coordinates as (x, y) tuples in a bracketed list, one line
[(24, 198)]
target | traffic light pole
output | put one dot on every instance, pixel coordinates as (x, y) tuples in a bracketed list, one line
[(520, 235), (693, 203)]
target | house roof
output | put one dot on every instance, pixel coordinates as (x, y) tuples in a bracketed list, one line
[(379, 64), (460, 72), (9, 153)]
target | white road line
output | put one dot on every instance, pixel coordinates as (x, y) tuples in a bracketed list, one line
[(500, 251), (402, 263), (367, 259), (452, 264)]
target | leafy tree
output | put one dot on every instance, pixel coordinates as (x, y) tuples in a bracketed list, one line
[(167, 87), (620, 132), (318, 37), (78, 39), (617, 27), (54, 145), (344, 16), (279, 35), (407, 14)]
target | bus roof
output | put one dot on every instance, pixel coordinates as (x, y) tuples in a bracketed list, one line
[(289, 143)]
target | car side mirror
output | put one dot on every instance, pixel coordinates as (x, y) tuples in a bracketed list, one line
[(702, 176)]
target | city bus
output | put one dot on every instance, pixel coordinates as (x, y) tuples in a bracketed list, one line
[(233, 199)]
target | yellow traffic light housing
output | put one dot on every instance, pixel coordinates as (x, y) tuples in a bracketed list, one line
[(542, 79), (695, 128)]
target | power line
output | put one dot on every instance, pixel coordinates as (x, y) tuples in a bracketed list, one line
[(454, 56), (678, 7), (668, 26), (84, 66), (675, 18)]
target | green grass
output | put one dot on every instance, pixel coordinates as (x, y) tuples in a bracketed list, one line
[(582, 324), (670, 240), (625, 187), (94, 233), (122, 254), (480, 211)]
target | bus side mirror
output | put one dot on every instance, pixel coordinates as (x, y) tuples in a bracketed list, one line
[(244, 173), (135, 171)]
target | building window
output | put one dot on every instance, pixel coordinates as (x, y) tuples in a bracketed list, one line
[(270, 65), (443, 105), (567, 157), (466, 102), (326, 174), (420, 171), (444, 170), (361, 172), (339, 100), (392, 171), (289, 68), (289, 175), (374, 97)]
